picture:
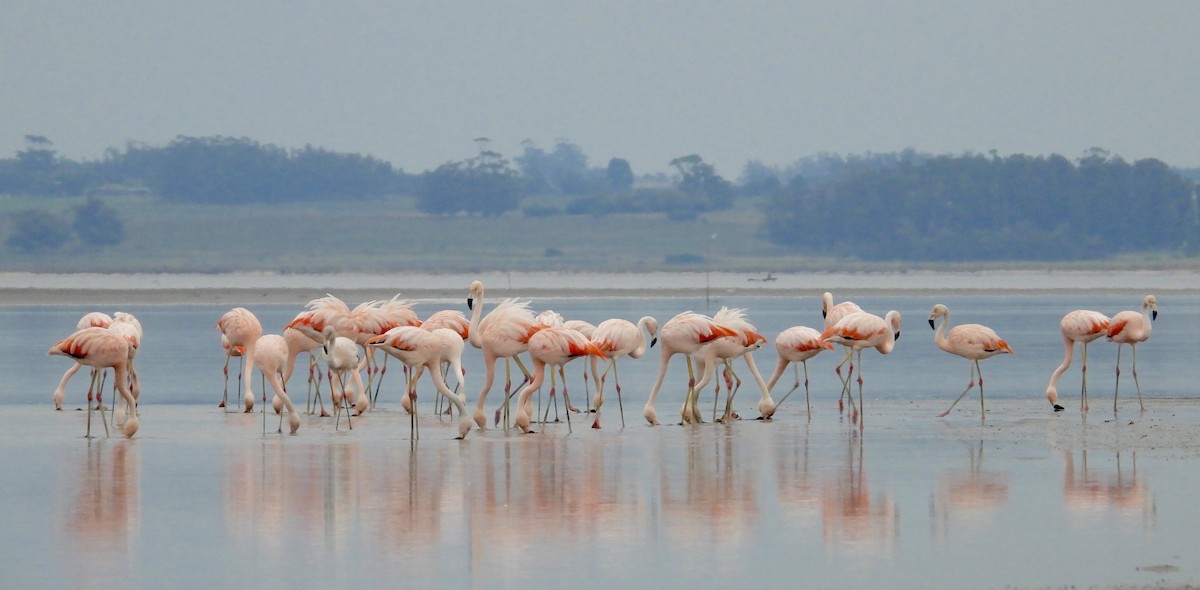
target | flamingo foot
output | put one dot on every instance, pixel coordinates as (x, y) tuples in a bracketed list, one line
[(596, 425), (220, 405)]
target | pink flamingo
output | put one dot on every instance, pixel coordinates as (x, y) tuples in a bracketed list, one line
[(271, 355), (95, 319), (230, 352), (298, 343), (834, 314), (618, 338), (450, 319), (555, 347), (796, 345), (341, 356), (504, 333), (1132, 328), (683, 334), (420, 348), (861, 330), (128, 327), (100, 349), (743, 343), (1083, 326), (243, 329), (330, 315), (973, 342)]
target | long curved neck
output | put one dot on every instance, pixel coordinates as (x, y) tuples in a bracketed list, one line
[(641, 349), (766, 391), (1068, 354), (1147, 319), (473, 330), (939, 337)]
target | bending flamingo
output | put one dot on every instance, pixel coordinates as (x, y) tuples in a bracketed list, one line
[(722, 351), (96, 319), (243, 329), (420, 348), (271, 355), (99, 348), (555, 347), (1132, 328), (973, 342), (683, 334), (796, 345), (1083, 326)]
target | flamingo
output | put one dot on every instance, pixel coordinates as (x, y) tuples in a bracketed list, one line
[(683, 334), (330, 315), (973, 342), (393, 313), (796, 345), (271, 352), (587, 329), (1132, 328), (743, 343), (230, 352), (1083, 326), (451, 319), (128, 327), (300, 342), (834, 314), (100, 348), (555, 347), (504, 333), (420, 348), (617, 338), (242, 328), (341, 356), (96, 319), (860, 330)]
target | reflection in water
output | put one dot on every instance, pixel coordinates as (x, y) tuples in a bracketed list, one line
[(1090, 495), (714, 501), (974, 495), (103, 525), (851, 522), (799, 496)]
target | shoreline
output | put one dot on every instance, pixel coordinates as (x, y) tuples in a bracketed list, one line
[(18, 289)]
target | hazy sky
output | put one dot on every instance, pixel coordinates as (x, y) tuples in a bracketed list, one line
[(414, 83)]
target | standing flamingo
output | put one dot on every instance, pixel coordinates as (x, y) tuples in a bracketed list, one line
[(1083, 326), (1132, 328), (328, 315), (92, 319), (796, 345), (504, 333), (743, 343), (683, 334), (617, 338), (861, 330), (973, 342), (451, 319), (834, 314), (99, 348), (420, 348), (271, 354), (555, 347), (243, 329)]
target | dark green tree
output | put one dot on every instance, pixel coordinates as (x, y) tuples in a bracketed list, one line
[(619, 175), (484, 185), (38, 230), (97, 224)]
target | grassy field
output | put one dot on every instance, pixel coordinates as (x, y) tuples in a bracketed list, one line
[(389, 235)]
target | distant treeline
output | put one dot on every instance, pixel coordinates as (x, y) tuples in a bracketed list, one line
[(895, 206)]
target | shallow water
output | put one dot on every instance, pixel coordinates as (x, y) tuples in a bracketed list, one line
[(1028, 498)]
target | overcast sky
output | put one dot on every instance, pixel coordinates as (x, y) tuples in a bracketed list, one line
[(414, 83)]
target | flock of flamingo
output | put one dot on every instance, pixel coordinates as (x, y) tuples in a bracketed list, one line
[(347, 339)]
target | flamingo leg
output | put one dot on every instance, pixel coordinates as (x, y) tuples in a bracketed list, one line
[(617, 386), (566, 395), (1083, 406), (1135, 379), (970, 384)]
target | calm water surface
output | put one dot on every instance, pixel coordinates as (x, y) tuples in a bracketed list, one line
[(1029, 498)]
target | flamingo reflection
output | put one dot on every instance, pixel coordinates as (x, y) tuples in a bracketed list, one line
[(1089, 495), (851, 521), (105, 521), (972, 495)]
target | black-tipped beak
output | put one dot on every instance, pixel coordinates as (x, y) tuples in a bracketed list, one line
[(897, 337), (931, 323), (1058, 408), (470, 304), (824, 314), (1154, 315), (653, 341)]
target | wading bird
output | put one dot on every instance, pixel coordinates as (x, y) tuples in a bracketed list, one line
[(973, 342), (1132, 328), (1082, 326)]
